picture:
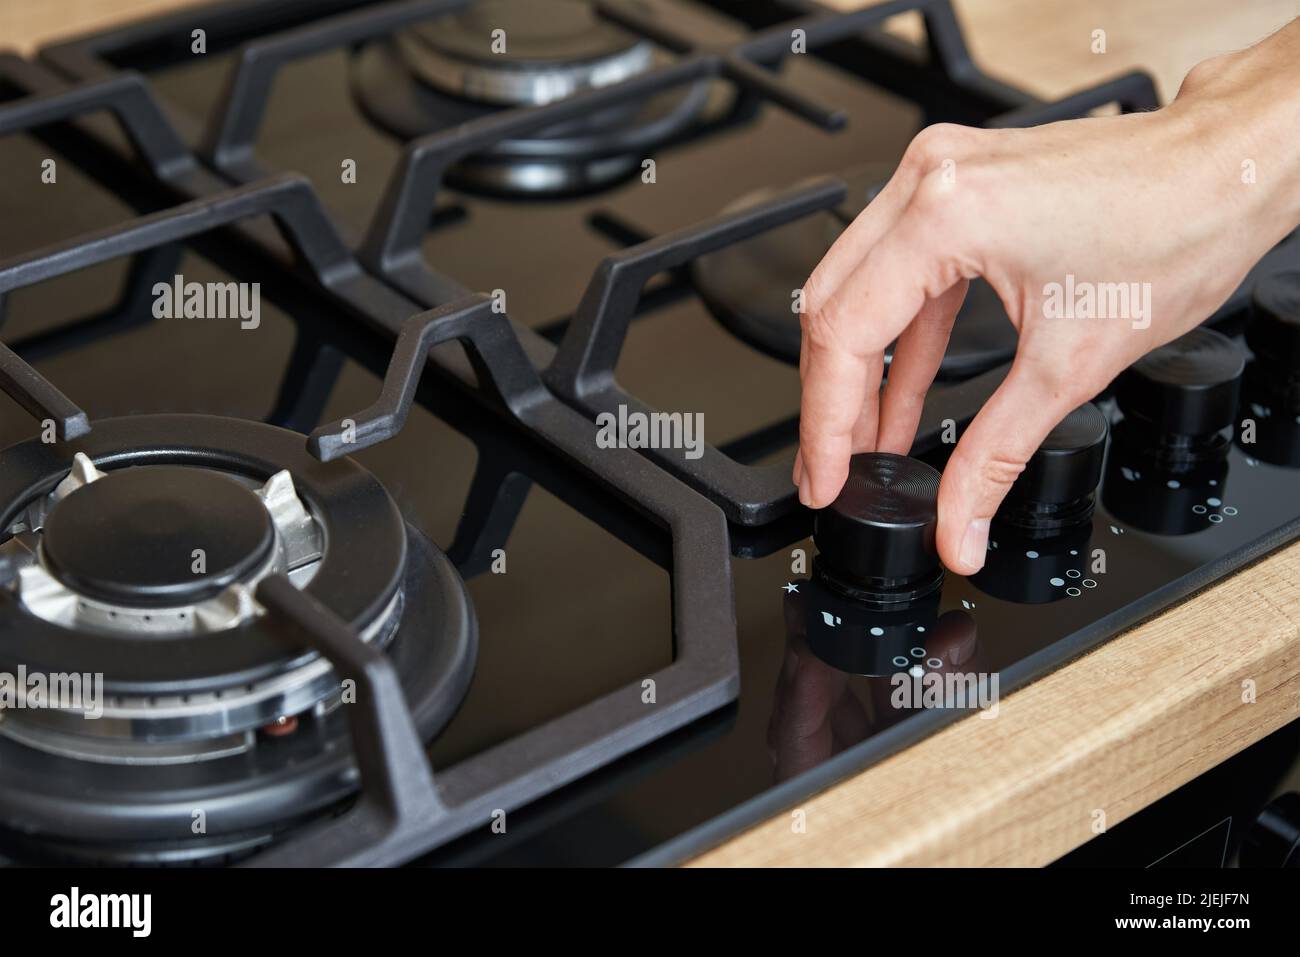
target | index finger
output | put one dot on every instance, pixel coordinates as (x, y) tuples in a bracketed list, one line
[(868, 311)]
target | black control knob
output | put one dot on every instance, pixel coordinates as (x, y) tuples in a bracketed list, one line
[(875, 542), (1056, 489), (1274, 839), (1187, 387), (1271, 387), (1273, 333), (1180, 400)]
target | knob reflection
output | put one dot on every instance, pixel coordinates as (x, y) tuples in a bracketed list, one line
[(850, 671)]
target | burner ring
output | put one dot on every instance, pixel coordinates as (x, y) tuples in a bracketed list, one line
[(520, 86), (512, 53), (357, 578)]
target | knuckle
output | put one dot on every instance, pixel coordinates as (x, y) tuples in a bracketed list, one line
[(822, 316), (1000, 472), (821, 326), (935, 197), (942, 218), (1204, 73), (934, 144)]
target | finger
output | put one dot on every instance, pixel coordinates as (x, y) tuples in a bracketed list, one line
[(849, 720), (988, 458), (845, 254), (853, 244), (868, 311), (917, 357), (834, 392), (868, 424), (931, 148), (801, 737)]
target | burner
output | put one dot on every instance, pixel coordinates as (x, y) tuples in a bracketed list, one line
[(444, 73), (515, 52), (158, 549), (104, 580), (749, 286)]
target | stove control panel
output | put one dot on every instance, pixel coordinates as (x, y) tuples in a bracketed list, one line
[(875, 542)]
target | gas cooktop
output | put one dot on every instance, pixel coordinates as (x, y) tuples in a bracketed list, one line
[(411, 393)]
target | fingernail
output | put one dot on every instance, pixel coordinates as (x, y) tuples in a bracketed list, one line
[(805, 491), (975, 543)]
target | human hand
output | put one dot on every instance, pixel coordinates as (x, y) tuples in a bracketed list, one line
[(1156, 201)]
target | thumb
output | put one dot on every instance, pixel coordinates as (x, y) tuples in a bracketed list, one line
[(987, 460)]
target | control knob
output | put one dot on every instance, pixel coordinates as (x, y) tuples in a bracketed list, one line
[(875, 542), (1056, 489), (1179, 400), (1273, 332)]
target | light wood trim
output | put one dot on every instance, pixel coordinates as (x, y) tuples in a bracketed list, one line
[(1045, 46), (26, 25), (1116, 729)]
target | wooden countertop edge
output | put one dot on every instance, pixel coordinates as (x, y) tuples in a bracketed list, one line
[(1091, 743)]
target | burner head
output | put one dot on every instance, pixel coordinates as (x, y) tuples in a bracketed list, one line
[(132, 536), (517, 52), (445, 73), (748, 286), (188, 672)]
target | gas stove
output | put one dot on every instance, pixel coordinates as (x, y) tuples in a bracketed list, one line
[(432, 373)]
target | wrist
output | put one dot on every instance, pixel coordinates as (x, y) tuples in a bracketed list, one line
[(1243, 112)]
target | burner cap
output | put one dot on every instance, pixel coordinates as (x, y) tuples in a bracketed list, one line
[(748, 286), (512, 52), (130, 537)]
